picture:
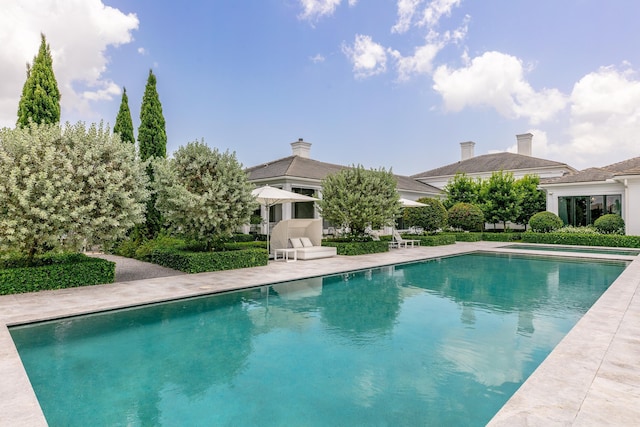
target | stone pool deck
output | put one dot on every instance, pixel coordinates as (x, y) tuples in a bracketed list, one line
[(591, 378)]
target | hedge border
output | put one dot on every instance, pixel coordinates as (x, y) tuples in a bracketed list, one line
[(83, 271), (607, 240), (358, 248), (200, 262)]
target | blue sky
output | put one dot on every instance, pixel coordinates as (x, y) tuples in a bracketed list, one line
[(382, 83)]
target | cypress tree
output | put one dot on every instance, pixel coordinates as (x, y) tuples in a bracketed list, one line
[(40, 99), (152, 136), (152, 142), (124, 125)]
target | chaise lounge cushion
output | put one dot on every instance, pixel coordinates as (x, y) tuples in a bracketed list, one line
[(315, 252)]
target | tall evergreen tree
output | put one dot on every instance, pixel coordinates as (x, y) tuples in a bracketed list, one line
[(40, 99), (152, 136), (124, 124), (152, 143)]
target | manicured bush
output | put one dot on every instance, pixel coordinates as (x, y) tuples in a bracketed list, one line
[(545, 222), (502, 237), (350, 247), (54, 272), (434, 240), (235, 246), (161, 242), (199, 262), (467, 217), (611, 240), (589, 229), (431, 217), (610, 224), (467, 236)]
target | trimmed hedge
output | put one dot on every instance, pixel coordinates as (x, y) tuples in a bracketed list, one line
[(469, 236), (610, 224), (358, 248), (54, 272), (611, 240), (253, 244), (436, 240), (502, 237), (200, 262)]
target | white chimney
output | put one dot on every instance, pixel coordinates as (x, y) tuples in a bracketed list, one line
[(524, 143), (467, 149), (301, 148)]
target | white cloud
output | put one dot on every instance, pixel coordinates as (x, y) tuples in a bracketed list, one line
[(436, 9), (312, 10), (368, 58), (421, 62), (406, 11), (142, 51), (605, 116), (496, 80), (78, 31), (318, 58)]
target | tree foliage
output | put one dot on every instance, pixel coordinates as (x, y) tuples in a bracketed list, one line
[(356, 198), (432, 217), (152, 143), (461, 189), (152, 134), (545, 222), (40, 100), (500, 200), (62, 185), (465, 216), (203, 193), (532, 200), (124, 124)]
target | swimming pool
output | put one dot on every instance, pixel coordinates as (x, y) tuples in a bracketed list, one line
[(439, 342)]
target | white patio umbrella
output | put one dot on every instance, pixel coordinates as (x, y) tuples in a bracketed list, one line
[(406, 203), (269, 196)]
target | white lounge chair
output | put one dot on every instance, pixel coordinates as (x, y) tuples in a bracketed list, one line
[(399, 242)]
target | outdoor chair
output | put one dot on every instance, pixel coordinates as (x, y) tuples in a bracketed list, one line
[(399, 242)]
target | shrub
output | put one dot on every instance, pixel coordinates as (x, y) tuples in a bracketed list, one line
[(502, 237), (350, 247), (577, 230), (466, 216), (431, 217), (611, 240), (610, 224), (545, 222), (200, 262), (466, 236), (434, 240), (54, 272), (161, 242)]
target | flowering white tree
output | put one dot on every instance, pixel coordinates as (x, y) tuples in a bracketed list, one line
[(67, 183), (203, 193)]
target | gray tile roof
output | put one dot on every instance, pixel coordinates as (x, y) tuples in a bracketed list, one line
[(491, 162), (301, 167), (626, 167)]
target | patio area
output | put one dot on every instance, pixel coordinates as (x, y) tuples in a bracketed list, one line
[(591, 378)]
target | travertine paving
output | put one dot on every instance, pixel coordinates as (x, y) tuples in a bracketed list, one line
[(591, 378)]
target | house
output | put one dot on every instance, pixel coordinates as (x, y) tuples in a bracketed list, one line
[(300, 173), (483, 166), (580, 198)]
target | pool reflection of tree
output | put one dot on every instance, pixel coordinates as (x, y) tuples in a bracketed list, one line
[(151, 370), (354, 305)]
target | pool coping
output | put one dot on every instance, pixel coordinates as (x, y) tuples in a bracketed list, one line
[(590, 377)]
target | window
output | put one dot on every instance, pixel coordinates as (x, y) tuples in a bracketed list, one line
[(304, 209), (584, 210)]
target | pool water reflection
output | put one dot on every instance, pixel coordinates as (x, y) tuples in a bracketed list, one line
[(440, 342)]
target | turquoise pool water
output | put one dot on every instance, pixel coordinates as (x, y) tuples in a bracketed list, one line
[(604, 251), (440, 342)]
